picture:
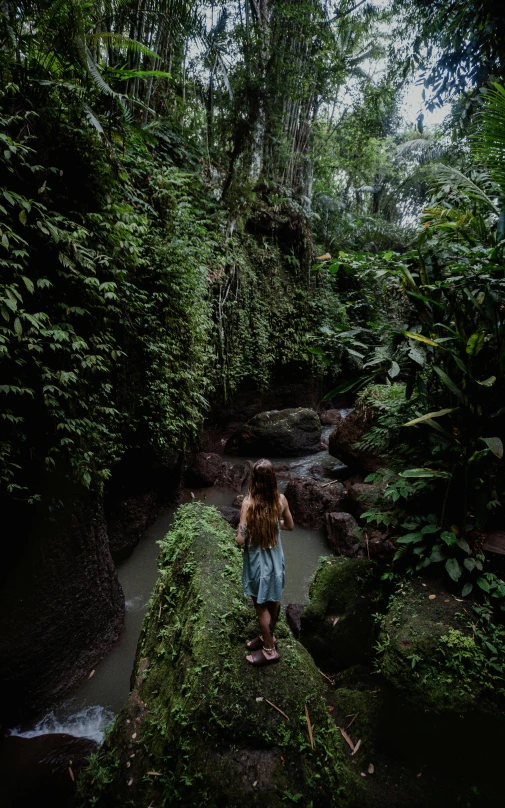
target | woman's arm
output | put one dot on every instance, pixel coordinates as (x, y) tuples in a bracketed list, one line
[(286, 520), (242, 526)]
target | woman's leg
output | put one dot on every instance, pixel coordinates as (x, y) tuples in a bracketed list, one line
[(264, 618), (274, 607)]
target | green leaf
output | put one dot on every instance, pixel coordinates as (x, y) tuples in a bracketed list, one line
[(437, 554), (448, 537), (448, 382), (475, 343), (453, 568), (28, 283), (316, 351), (424, 472), (430, 415), (470, 564), (18, 328), (483, 584), (466, 590), (463, 544), (496, 446), (488, 382), (22, 216), (394, 370), (421, 338), (410, 538)]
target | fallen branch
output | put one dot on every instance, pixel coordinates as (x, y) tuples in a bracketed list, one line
[(309, 727), (352, 720), (276, 708), (325, 485), (346, 738), (327, 677)]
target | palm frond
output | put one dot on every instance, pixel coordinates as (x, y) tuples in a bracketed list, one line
[(120, 41), (489, 141), (453, 182)]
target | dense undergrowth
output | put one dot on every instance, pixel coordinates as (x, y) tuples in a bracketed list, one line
[(127, 305)]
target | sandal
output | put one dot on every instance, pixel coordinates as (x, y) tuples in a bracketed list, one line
[(257, 643), (259, 659)]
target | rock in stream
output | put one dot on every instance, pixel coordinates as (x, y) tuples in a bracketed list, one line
[(201, 726)]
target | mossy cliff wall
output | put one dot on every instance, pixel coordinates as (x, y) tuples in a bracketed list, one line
[(198, 727)]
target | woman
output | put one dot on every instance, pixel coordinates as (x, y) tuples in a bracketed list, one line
[(265, 512)]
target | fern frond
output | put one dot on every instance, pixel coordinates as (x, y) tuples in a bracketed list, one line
[(454, 181)]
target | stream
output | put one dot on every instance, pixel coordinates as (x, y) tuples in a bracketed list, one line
[(95, 702)]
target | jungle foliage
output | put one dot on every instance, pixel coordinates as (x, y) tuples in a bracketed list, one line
[(156, 177)]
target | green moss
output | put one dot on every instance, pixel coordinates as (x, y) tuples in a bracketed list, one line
[(337, 626), (429, 653), (198, 713)]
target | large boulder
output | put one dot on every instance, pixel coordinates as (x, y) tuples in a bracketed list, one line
[(443, 671), (205, 469), (278, 433), (345, 437), (345, 538), (234, 475), (310, 500), (201, 726), (61, 602), (337, 625), (42, 770)]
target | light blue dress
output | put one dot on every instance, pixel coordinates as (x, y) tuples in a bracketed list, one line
[(263, 571)]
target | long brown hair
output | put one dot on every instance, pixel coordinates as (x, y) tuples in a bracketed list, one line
[(264, 506)]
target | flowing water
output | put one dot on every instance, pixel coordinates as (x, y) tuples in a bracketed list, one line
[(95, 702)]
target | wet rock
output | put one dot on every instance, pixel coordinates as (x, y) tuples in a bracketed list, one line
[(293, 617), (202, 710), (344, 535), (237, 502), (337, 625), (205, 469), (61, 602), (345, 437), (285, 471), (36, 771), (362, 497), (234, 475), (495, 542), (140, 487), (329, 417), (278, 433), (310, 500), (232, 515)]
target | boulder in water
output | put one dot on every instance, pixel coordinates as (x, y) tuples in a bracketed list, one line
[(337, 625), (201, 726), (310, 500), (205, 469), (329, 417), (343, 442), (234, 475), (293, 617), (278, 433)]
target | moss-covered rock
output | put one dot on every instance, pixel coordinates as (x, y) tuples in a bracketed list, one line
[(338, 626), (431, 657), (200, 726), (278, 433)]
